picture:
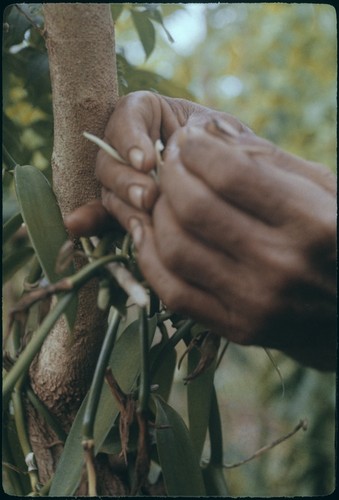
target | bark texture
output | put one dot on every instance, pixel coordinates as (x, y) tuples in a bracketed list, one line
[(80, 43)]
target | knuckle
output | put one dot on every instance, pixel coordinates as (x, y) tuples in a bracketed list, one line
[(134, 98), (121, 179), (171, 255), (192, 210)]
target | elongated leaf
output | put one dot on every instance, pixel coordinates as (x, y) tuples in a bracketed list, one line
[(125, 364), (11, 227), (116, 9), (42, 216), (215, 432), (215, 482), (145, 30), (178, 460), (163, 377), (213, 474), (199, 393), (156, 16), (13, 262)]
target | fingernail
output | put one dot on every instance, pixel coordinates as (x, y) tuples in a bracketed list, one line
[(136, 157), (136, 231), (135, 194)]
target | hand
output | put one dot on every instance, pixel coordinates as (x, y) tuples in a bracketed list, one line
[(138, 121), (243, 235), (242, 239)]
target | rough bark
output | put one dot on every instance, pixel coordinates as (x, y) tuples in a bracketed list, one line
[(80, 43)]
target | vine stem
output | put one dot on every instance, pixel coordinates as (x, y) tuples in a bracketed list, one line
[(171, 343), (25, 359), (301, 425), (98, 378), (20, 424), (93, 400), (144, 388), (215, 431)]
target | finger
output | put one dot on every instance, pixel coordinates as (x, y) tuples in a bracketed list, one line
[(248, 181), (175, 293), (139, 119), (91, 219), (267, 151), (120, 211), (190, 259), (131, 186), (248, 285), (201, 212), (317, 173)]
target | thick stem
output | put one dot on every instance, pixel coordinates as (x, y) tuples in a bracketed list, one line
[(81, 50), (80, 43)]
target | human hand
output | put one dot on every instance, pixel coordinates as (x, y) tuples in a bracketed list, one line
[(242, 239), (139, 120)]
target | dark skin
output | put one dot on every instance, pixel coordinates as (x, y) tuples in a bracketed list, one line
[(237, 234)]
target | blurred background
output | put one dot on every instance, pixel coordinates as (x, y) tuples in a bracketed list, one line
[(274, 67)]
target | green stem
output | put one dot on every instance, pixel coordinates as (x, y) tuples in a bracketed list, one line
[(215, 431), (34, 272), (170, 344), (154, 304), (126, 244), (44, 490), (87, 272), (144, 388), (12, 478), (11, 227), (18, 411), (25, 359), (43, 411), (104, 245), (8, 158), (98, 378)]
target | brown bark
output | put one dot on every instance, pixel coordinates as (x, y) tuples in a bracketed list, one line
[(80, 43)]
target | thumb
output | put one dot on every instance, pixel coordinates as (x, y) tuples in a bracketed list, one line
[(139, 119), (91, 219)]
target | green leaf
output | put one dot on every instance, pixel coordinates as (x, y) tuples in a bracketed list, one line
[(215, 482), (42, 216), (145, 30), (13, 262), (215, 432), (18, 25), (14, 482), (178, 460), (163, 376), (125, 364), (155, 14), (26, 357), (11, 227), (199, 392), (116, 9)]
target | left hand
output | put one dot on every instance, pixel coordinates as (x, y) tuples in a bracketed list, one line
[(242, 239)]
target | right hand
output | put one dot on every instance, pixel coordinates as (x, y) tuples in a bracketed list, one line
[(138, 120)]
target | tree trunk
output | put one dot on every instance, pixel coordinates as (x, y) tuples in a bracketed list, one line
[(80, 43)]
